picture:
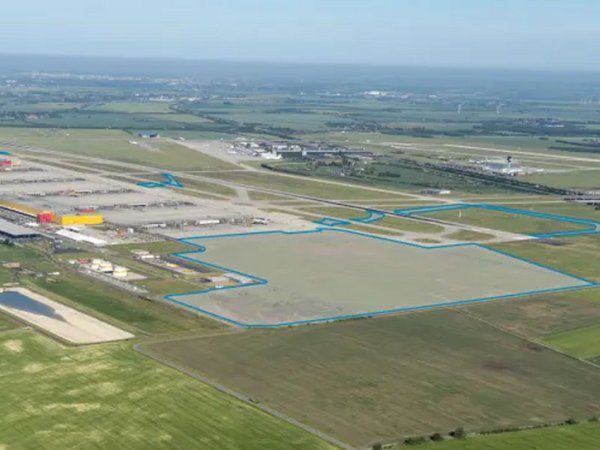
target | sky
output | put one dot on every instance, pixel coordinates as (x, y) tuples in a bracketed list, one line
[(540, 34)]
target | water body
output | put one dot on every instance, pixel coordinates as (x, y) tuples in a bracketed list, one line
[(21, 302)]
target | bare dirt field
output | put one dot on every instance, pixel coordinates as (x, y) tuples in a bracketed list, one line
[(57, 319), (334, 274)]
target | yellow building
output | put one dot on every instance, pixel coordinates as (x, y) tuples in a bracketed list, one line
[(88, 219)]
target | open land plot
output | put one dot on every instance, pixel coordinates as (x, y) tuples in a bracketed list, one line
[(117, 145), (571, 209), (396, 223), (583, 179), (134, 107), (583, 436), (578, 255), (378, 380), (504, 221), (303, 186), (327, 274), (127, 310), (583, 342), (111, 397), (57, 319), (543, 315)]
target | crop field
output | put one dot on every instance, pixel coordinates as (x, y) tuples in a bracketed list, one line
[(111, 397), (543, 315), (337, 265), (582, 342), (447, 369), (583, 436)]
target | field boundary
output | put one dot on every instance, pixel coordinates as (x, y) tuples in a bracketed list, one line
[(254, 280)]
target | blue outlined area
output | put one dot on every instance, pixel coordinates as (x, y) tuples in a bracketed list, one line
[(169, 181), (373, 216), (331, 222), (588, 226), (253, 280)]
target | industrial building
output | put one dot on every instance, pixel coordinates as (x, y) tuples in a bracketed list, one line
[(9, 230)]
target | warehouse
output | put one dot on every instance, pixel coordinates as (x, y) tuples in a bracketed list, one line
[(12, 231)]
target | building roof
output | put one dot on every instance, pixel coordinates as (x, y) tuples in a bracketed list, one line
[(13, 230)]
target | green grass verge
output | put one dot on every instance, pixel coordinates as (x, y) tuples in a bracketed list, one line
[(109, 396)]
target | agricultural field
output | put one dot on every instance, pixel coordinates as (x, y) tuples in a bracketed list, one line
[(276, 293), (582, 436), (109, 396), (583, 342), (496, 380)]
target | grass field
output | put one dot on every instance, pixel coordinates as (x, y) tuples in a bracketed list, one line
[(109, 396), (467, 235), (396, 223), (99, 298), (379, 380), (584, 436), (514, 223), (6, 323), (578, 255), (116, 145), (564, 208), (135, 107), (543, 315), (582, 342), (304, 186)]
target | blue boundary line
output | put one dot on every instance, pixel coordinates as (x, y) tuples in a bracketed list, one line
[(169, 181), (258, 281), (591, 226)]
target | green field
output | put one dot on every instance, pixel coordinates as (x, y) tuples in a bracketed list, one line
[(470, 236), (578, 255), (109, 396), (134, 107), (379, 380), (562, 208), (116, 145), (396, 223), (582, 342), (101, 299), (303, 186), (513, 223), (543, 315), (584, 436)]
